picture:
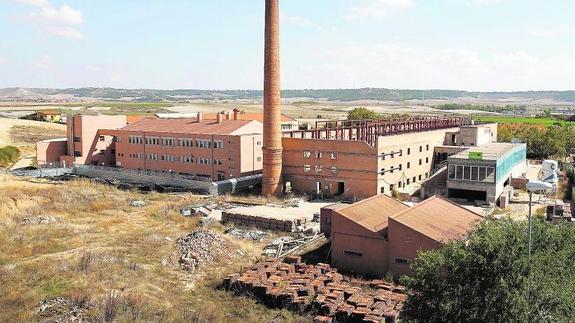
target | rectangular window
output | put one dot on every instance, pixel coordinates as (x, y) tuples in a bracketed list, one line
[(318, 169), (427, 160), (451, 172), (402, 261), (77, 139), (466, 173), (427, 147), (333, 156), (420, 148), (419, 177), (353, 253), (307, 154), (306, 168), (102, 138), (218, 144), (459, 174), (482, 174), (420, 162), (408, 165), (259, 159), (474, 173), (409, 151), (334, 170)]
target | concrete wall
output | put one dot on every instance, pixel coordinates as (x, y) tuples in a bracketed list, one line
[(250, 154), (49, 151), (405, 243), (349, 236), (84, 143)]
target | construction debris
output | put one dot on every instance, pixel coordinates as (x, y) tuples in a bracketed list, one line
[(288, 245), (62, 309), (255, 235), (38, 220), (318, 290), (265, 223), (199, 248), (137, 203)]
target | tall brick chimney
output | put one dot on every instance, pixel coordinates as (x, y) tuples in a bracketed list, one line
[(272, 148), (220, 117), (236, 114)]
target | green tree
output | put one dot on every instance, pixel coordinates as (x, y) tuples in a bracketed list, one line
[(363, 114), (488, 278)]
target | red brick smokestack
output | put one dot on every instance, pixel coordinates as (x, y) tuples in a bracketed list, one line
[(220, 117), (272, 148), (236, 114)]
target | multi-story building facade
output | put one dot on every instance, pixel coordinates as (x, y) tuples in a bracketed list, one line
[(200, 149), (360, 161), (85, 142)]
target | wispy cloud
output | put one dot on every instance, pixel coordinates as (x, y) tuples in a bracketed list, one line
[(62, 21), (551, 31), (485, 2), (295, 20), (42, 63), (400, 66), (377, 9)]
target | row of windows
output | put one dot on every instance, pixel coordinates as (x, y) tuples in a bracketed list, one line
[(400, 167), (400, 152), (181, 159), (408, 181), (319, 169), (166, 141), (472, 173), (318, 154)]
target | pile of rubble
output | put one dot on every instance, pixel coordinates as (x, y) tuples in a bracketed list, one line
[(37, 220), (318, 290), (285, 246), (255, 235), (200, 247), (62, 309)]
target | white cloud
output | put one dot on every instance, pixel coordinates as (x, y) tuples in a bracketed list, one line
[(53, 20), (551, 32), (43, 63), (377, 9), (64, 15), (295, 20), (398, 66)]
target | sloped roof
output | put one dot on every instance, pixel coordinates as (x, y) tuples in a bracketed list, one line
[(192, 126), (439, 219), (247, 116), (373, 213)]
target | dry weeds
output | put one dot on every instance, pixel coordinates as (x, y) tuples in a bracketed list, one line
[(113, 256)]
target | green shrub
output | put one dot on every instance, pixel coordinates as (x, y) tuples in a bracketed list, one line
[(8, 155)]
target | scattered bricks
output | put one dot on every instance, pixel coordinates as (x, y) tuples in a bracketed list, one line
[(292, 260), (318, 290), (359, 314), (391, 316), (322, 319)]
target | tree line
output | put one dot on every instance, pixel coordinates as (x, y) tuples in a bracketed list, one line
[(556, 141)]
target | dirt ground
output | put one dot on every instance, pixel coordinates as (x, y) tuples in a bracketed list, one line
[(85, 243)]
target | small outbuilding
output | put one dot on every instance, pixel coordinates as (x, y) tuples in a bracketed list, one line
[(382, 235)]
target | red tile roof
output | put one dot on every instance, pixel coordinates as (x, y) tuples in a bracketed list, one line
[(373, 213), (247, 116), (190, 126), (439, 219)]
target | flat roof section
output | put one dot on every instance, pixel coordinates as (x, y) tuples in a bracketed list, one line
[(188, 126), (492, 151)]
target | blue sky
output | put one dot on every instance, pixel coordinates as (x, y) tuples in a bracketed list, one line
[(218, 44)]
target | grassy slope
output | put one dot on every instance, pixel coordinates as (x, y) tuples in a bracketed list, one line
[(523, 120), (126, 245)]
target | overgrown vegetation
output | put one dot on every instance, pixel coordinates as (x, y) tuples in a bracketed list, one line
[(29, 135), (538, 121), (362, 113), (488, 278), (486, 108), (542, 142), (117, 258), (9, 155)]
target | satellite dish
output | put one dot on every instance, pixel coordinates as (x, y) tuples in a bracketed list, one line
[(536, 186)]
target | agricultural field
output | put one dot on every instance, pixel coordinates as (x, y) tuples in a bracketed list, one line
[(80, 251), (522, 120)]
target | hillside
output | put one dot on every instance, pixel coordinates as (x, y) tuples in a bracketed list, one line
[(380, 94)]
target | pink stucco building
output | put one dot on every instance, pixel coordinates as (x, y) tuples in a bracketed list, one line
[(200, 149)]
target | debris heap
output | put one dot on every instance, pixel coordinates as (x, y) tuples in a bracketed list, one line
[(62, 309), (200, 247), (318, 290)]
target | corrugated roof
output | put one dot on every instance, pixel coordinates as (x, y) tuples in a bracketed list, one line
[(439, 219), (373, 213), (189, 126)]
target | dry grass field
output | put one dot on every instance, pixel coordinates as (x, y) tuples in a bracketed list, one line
[(84, 242)]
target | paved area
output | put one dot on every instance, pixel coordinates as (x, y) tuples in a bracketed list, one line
[(306, 210)]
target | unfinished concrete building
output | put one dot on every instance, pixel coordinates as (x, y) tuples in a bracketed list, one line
[(360, 159)]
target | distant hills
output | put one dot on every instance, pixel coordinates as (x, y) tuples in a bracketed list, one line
[(151, 95)]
